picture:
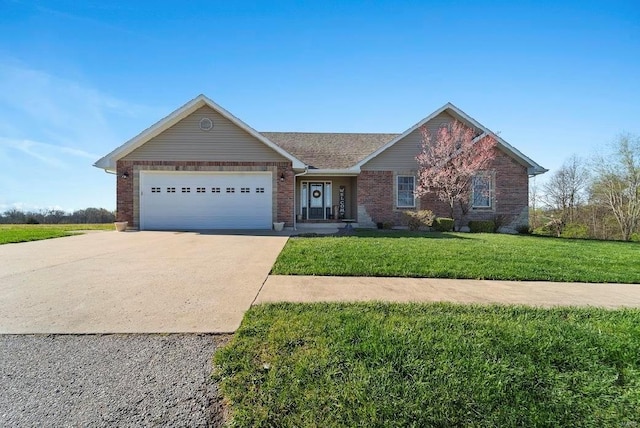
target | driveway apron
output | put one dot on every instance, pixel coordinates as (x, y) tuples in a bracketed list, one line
[(134, 282)]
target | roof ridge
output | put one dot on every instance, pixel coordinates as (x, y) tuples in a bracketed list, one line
[(325, 133)]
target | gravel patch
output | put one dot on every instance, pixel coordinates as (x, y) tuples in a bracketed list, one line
[(109, 380)]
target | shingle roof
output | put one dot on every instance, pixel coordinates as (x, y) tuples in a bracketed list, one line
[(329, 150)]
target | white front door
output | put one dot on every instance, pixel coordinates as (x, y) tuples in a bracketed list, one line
[(180, 200)]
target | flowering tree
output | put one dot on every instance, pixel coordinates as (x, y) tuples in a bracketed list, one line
[(448, 161)]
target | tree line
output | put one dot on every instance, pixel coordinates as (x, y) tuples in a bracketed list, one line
[(52, 216), (592, 198)]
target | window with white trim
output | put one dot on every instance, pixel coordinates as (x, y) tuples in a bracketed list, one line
[(405, 195), (481, 191)]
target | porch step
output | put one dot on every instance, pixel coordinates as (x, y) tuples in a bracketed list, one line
[(335, 225)]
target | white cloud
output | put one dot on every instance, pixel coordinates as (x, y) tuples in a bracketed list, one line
[(60, 111), (52, 129), (49, 154)]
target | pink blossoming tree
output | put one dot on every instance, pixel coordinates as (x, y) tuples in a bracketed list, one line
[(449, 159)]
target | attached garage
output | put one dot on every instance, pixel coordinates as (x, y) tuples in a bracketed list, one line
[(181, 200)]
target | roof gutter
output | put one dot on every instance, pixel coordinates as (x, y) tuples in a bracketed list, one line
[(533, 171), (334, 172)]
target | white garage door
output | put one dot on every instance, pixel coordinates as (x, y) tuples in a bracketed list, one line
[(199, 200)]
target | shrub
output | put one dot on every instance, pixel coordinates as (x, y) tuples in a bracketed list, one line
[(553, 228), (32, 220), (524, 229), (543, 231), (500, 220), (418, 219), (575, 230), (387, 225), (443, 224), (482, 226), (635, 237)]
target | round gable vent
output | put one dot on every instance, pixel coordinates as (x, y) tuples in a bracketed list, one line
[(206, 124)]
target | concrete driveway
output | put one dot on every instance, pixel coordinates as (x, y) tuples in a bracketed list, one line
[(134, 282)]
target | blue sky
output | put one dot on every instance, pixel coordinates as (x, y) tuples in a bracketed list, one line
[(77, 79)]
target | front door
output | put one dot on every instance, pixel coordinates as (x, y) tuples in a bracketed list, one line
[(316, 201)]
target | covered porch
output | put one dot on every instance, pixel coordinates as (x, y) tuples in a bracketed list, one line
[(324, 199)]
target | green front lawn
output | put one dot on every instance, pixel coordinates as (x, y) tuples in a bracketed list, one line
[(382, 365), (461, 255), (10, 233)]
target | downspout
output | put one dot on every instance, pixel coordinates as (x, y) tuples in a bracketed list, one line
[(306, 170)]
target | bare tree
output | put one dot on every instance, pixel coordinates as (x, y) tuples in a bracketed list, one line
[(88, 215), (564, 191), (534, 197), (617, 182), (14, 215), (53, 216)]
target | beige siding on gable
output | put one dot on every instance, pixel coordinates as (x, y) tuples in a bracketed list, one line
[(402, 155), (185, 141)]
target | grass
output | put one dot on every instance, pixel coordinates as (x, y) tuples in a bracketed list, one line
[(434, 365), (12, 233), (462, 255)]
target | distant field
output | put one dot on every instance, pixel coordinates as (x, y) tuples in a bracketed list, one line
[(12, 233)]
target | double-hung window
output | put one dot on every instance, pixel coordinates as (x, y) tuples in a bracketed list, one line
[(406, 191), (481, 195)]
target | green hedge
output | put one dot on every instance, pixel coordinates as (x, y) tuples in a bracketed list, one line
[(443, 224), (482, 226)]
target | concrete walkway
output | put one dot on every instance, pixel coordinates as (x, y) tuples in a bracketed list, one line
[(353, 289)]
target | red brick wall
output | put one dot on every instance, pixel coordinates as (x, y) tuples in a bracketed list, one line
[(125, 192), (512, 187), (376, 193), (285, 194)]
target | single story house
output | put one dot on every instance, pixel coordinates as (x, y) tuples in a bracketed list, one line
[(203, 168)]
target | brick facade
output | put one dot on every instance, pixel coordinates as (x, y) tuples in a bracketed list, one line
[(284, 191), (376, 196), (128, 191), (375, 191)]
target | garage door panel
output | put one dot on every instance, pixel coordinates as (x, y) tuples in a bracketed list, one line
[(187, 200)]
